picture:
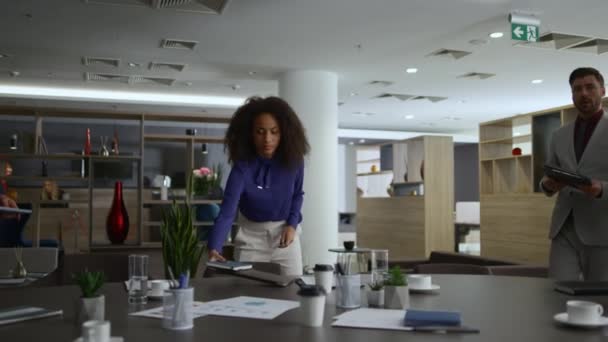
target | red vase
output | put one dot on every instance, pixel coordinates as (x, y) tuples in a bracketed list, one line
[(87, 143), (117, 225)]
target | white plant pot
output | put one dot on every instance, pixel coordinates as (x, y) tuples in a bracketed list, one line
[(88, 309), (396, 297), (375, 299)]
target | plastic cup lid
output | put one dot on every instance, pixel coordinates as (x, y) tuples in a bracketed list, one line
[(311, 291), (323, 267)]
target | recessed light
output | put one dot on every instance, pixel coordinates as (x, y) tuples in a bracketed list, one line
[(351, 142), (411, 70), (353, 94), (537, 81), (15, 73), (361, 141), (188, 84), (409, 117), (496, 35), (251, 73), (133, 65)]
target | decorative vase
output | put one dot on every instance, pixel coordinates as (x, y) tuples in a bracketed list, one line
[(87, 143), (19, 271), (375, 298), (396, 297), (117, 224), (90, 309)]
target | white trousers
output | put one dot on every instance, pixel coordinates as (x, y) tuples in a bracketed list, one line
[(259, 241)]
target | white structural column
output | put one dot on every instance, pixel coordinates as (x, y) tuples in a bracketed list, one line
[(314, 97)]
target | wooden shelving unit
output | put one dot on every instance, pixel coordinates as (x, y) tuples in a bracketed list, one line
[(515, 215), (374, 173), (92, 202)]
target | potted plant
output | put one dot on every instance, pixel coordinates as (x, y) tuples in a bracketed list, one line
[(375, 296), (91, 306), (396, 292), (181, 248)]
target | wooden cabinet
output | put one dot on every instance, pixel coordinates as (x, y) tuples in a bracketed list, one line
[(411, 226)]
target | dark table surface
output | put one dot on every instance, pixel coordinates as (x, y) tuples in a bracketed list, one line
[(504, 308)]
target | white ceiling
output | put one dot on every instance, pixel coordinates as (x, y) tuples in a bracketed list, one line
[(360, 40)]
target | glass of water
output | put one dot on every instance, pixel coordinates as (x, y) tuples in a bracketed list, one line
[(138, 279), (379, 265)]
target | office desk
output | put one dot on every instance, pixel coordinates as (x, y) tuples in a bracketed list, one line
[(504, 308)]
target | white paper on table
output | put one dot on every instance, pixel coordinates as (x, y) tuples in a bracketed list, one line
[(197, 311), (372, 319), (249, 307)]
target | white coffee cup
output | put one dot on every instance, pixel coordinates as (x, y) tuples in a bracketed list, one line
[(312, 306), (419, 281), (581, 312), (324, 276), (158, 287), (96, 331)]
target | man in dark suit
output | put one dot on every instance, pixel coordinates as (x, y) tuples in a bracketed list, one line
[(579, 225)]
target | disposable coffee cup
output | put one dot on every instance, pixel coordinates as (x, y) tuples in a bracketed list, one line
[(96, 331), (581, 312), (312, 305), (324, 276)]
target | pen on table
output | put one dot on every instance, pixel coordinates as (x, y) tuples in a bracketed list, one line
[(445, 329)]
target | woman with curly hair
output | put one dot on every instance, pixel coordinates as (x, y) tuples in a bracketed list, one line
[(266, 145)]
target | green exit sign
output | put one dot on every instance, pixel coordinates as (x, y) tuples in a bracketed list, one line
[(524, 32)]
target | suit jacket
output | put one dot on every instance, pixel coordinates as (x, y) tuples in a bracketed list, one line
[(590, 214)]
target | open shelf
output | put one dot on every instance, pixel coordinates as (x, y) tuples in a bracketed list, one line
[(184, 138), (508, 157), (509, 140), (374, 173)]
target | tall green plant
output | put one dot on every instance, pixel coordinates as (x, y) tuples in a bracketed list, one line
[(89, 282), (182, 250)]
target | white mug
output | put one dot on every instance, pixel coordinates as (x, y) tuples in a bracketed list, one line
[(419, 281), (580, 311), (96, 331), (158, 287)]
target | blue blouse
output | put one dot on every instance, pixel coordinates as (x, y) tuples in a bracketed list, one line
[(262, 190)]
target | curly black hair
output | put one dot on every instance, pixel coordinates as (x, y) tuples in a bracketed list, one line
[(293, 145)]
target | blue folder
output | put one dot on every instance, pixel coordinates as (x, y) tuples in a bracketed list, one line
[(414, 318)]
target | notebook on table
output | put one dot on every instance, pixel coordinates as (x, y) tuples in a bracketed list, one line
[(582, 287), (25, 313), (230, 265)]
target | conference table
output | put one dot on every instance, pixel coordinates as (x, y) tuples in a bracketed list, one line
[(503, 308)]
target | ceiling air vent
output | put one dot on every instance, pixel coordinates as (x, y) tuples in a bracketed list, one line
[(194, 6), (380, 83), (556, 41), (402, 97), (477, 75), (178, 44), (595, 46), (407, 97), (166, 66), (151, 80), (456, 54), (114, 62), (92, 76)]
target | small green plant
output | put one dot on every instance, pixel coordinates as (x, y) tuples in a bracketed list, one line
[(89, 282), (376, 285), (395, 277)]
